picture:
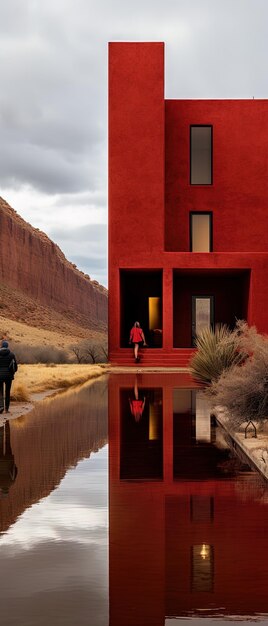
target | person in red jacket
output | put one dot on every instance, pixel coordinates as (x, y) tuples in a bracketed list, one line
[(137, 339)]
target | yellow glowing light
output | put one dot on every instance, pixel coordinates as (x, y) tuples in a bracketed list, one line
[(154, 312), (154, 423), (205, 551)]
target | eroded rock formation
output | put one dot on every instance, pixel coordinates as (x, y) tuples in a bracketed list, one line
[(31, 263)]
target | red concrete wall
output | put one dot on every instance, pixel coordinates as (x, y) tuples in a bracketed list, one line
[(136, 159), (136, 149), (150, 195), (240, 182)]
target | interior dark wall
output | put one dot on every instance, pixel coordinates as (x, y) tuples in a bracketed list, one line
[(230, 293), (135, 288)]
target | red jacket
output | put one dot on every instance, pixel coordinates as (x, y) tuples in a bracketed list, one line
[(136, 407), (136, 334)]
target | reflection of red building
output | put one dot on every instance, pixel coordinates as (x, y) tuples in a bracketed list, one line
[(180, 547), (188, 196)]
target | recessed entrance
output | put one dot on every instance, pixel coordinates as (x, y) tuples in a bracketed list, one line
[(205, 298), (141, 300)]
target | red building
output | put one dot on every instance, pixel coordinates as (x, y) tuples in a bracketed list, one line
[(188, 205)]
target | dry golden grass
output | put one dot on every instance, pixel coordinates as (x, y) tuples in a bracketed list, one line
[(19, 393), (22, 333), (38, 378)]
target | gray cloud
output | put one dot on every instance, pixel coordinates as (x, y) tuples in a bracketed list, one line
[(53, 73), (89, 233), (91, 242), (51, 118), (47, 170), (97, 198), (95, 267), (95, 263)]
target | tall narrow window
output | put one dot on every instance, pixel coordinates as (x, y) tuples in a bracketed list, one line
[(201, 155), (200, 232)]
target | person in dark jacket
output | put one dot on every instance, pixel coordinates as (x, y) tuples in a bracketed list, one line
[(8, 367)]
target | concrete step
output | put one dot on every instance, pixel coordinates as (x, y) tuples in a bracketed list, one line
[(153, 357)]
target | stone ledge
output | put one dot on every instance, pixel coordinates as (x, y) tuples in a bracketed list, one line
[(255, 449)]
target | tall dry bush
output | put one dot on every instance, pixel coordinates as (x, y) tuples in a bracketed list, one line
[(217, 351), (90, 352), (243, 390)]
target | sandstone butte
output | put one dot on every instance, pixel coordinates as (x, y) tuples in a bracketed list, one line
[(33, 265)]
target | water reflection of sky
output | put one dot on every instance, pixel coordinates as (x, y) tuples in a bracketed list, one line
[(54, 559)]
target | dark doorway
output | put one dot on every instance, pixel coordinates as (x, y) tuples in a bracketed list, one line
[(228, 289), (141, 300)]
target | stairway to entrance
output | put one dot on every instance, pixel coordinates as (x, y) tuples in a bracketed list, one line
[(152, 357)]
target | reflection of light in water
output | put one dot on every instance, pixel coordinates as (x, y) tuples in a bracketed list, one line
[(202, 568), (202, 422), (205, 551), (154, 422)]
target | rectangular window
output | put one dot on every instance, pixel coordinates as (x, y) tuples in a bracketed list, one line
[(201, 155), (200, 232)]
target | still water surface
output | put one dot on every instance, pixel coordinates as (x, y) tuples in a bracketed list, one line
[(188, 541)]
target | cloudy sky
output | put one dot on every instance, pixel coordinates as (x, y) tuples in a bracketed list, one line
[(53, 97)]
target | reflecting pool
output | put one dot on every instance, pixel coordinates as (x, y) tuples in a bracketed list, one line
[(187, 533), (187, 520)]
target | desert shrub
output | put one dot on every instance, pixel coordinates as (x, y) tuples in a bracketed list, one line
[(248, 340), (244, 390), (217, 350), (90, 352), (39, 354)]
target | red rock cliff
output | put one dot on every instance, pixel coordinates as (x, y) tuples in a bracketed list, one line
[(32, 263)]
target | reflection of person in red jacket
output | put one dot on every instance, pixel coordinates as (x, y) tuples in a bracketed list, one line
[(137, 339), (137, 405)]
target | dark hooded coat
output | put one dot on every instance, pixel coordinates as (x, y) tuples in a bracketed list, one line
[(8, 364)]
